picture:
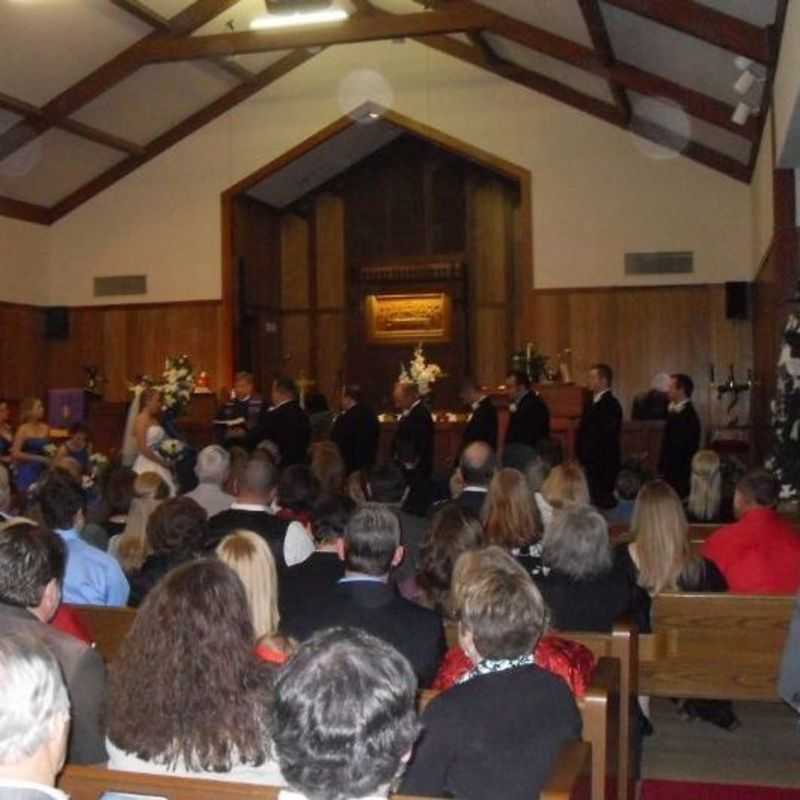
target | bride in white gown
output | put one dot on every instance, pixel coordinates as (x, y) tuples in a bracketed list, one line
[(143, 433)]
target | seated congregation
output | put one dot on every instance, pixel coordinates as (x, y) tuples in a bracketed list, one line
[(294, 601)]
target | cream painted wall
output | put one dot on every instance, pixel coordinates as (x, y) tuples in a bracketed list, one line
[(595, 194), (786, 91), (762, 198), (23, 262)]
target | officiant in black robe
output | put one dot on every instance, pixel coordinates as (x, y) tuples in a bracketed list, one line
[(285, 423), (598, 438), (415, 425), (529, 417), (356, 431), (240, 414), (681, 436)]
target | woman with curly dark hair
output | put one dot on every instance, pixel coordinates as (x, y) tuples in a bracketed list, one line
[(454, 530), (187, 693), (176, 531)]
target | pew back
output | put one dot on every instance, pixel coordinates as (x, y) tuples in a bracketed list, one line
[(717, 646), (569, 781), (108, 626)]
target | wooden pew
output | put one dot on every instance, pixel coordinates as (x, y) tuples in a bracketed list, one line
[(108, 627), (600, 711), (569, 781), (716, 646)]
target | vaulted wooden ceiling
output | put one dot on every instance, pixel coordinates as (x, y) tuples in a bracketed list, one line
[(124, 80)]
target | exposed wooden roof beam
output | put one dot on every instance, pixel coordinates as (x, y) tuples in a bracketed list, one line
[(706, 23), (28, 212), (598, 108), (107, 75), (183, 129), (37, 119), (601, 41), (373, 27), (484, 48)]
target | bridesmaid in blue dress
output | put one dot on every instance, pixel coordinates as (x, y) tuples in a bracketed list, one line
[(77, 447), (6, 433), (30, 450)]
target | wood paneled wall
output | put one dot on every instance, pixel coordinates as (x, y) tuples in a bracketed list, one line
[(21, 351), (643, 331), (126, 341)]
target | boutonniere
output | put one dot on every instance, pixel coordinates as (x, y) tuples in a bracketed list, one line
[(513, 408)]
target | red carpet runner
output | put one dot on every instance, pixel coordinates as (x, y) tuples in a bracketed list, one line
[(684, 790)]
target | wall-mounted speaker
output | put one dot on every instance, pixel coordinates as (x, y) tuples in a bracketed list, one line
[(737, 300), (56, 323)]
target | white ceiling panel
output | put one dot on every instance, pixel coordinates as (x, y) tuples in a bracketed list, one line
[(53, 165), (756, 12), (398, 6), (326, 161), (559, 71), (680, 58), (675, 120), (48, 45), (167, 8), (562, 17), (155, 98), (7, 119)]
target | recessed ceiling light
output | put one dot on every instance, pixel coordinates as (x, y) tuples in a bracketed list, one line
[(267, 21)]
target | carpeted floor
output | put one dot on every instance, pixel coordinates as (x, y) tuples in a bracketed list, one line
[(683, 790), (765, 751)]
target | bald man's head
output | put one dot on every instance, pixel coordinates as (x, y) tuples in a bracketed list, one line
[(477, 464)]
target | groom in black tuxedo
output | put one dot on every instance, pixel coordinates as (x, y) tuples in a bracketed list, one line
[(415, 425), (598, 439), (529, 417), (285, 423), (482, 423)]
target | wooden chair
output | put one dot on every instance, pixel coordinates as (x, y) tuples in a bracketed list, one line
[(569, 781), (717, 646), (600, 711), (108, 626)]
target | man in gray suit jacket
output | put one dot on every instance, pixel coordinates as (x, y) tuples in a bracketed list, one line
[(32, 562), (789, 678)]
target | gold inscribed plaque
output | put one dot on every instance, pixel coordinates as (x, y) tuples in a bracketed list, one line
[(408, 318)]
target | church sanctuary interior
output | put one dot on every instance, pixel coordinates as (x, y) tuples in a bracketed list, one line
[(511, 273)]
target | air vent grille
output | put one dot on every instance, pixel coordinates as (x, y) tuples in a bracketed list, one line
[(117, 285), (659, 263)]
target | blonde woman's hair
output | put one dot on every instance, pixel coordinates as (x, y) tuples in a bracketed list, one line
[(26, 408), (566, 486), (706, 492), (133, 547), (249, 556), (661, 538), (509, 514)]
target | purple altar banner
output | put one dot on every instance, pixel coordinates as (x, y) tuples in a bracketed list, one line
[(65, 406)]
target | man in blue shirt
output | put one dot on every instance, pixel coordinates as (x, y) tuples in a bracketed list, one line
[(92, 577)]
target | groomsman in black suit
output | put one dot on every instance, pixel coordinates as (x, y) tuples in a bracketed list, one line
[(529, 417), (284, 423), (415, 425), (482, 423), (356, 430), (681, 435), (598, 440)]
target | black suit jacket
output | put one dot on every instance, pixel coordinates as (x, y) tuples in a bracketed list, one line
[(356, 432), (495, 736), (681, 441), (482, 425), (530, 422), (287, 425), (84, 675), (302, 585), (417, 426), (266, 525), (376, 608), (598, 447)]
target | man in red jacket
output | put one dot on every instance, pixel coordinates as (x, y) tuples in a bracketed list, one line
[(759, 554)]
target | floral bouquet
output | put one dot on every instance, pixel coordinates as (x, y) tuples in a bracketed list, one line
[(420, 372), (98, 464), (177, 384), (50, 450), (171, 449)]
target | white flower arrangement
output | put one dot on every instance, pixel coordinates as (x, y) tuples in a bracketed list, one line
[(50, 450), (420, 372), (177, 383)]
